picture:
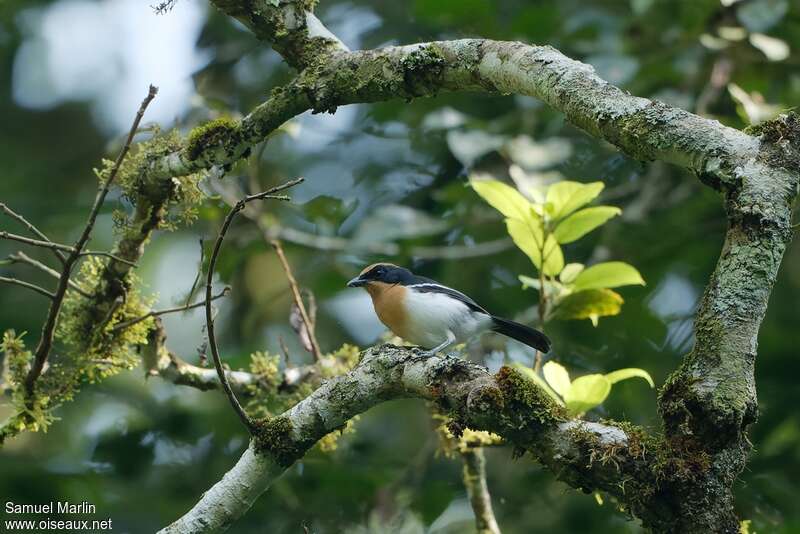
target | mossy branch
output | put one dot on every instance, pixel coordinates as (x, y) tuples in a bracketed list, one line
[(505, 403)]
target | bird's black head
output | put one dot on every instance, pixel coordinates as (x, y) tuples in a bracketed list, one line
[(386, 273)]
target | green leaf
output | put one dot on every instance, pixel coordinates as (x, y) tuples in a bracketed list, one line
[(539, 381), (584, 221), (606, 275), (527, 235), (570, 271), (558, 378), (503, 198), (566, 197), (587, 392), (590, 304), (630, 372)]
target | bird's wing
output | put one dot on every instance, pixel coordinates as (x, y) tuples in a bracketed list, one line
[(426, 285)]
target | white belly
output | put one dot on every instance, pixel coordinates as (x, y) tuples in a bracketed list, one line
[(433, 316)]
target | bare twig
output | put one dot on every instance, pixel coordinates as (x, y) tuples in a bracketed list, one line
[(108, 255), (156, 313), (40, 290), (48, 330), (32, 229), (21, 257), (59, 247), (212, 341), (474, 477), (298, 299)]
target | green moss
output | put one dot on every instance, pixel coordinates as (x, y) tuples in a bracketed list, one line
[(527, 400), (273, 437), (222, 132), (422, 69)]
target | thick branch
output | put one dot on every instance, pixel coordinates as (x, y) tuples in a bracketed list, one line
[(709, 402), (289, 25), (639, 127), (504, 403)]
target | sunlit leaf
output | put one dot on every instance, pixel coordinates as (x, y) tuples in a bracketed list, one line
[(582, 222), (558, 378), (570, 271), (586, 392), (631, 372), (591, 304), (568, 196), (528, 372), (606, 275), (527, 236), (502, 197), (468, 146), (775, 49)]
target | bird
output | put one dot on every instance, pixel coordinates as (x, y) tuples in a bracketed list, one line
[(431, 315)]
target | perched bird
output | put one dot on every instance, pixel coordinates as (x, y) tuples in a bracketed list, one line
[(426, 313)]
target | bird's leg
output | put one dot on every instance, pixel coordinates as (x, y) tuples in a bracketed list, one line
[(451, 338)]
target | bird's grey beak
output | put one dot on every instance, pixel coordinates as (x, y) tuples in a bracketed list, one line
[(356, 282)]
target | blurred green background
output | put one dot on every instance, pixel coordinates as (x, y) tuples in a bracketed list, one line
[(73, 73)]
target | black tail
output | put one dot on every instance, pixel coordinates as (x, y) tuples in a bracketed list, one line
[(520, 332)]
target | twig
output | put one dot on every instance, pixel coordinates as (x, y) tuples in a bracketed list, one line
[(298, 300), (474, 477), (32, 229), (21, 257), (156, 313), (108, 255), (35, 242), (60, 247), (212, 341), (48, 330), (40, 290)]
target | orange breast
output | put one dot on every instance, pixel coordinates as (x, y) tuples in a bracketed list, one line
[(389, 303)]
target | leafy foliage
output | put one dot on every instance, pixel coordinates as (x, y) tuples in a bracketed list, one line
[(540, 227), (585, 392)]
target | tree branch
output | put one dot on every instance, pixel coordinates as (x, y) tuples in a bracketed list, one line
[(474, 478), (155, 313), (31, 228), (505, 403), (212, 341), (21, 257), (298, 300), (158, 360), (46, 340), (289, 25)]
